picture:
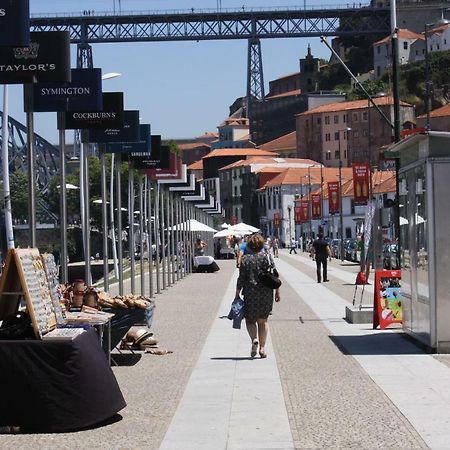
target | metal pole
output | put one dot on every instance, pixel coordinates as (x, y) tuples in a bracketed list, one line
[(163, 240), (150, 235), (172, 235), (5, 167), (62, 207), (341, 207), (427, 82), (131, 243), (158, 281), (310, 204), (104, 218), (111, 217), (169, 242), (177, 236), (119, 221), (141, 236), (87, 216), (31, 179)]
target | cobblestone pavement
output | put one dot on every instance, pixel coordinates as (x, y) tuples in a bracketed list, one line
[(153, 387), (331, 401)]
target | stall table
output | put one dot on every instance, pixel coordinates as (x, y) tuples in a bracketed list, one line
[(57, 386)]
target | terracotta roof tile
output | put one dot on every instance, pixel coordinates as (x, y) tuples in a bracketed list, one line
[(197, 165), (443, 111), (285, 142), (285, 94), (287, 76), (403, 33), (193, 145), (238, 152), (355, 104)]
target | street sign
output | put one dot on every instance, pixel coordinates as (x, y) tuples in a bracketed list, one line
[(189, 185), (45, 60), (15, 23), (82, 93), (111, 116), (181, 180)]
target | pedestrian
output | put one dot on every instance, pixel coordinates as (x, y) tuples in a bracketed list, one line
[(258, 298), (320, 251), (275, 246), (293, 246), (199, 248)]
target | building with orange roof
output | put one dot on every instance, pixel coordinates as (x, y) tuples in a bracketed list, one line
[(285, 145), (340, 131), (193, 151), (439, 119), (197, 169), (411, 48)]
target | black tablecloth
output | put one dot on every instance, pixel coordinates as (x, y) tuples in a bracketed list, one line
[(57, 386)]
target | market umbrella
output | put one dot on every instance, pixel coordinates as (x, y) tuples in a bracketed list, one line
[(193, 225), (243, 227), (227, 232)]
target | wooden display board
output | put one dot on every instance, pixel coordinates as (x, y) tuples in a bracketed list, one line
[(24, 279), (51, 271), (387, 298)]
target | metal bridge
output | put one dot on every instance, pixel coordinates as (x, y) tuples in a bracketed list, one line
[(215, 25)]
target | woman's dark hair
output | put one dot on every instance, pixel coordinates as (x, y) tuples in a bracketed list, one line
[(255, 242)]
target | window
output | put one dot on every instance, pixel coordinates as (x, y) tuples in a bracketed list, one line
[(328, 155), (438, 47), (405, 45), (365, 133), (378, 49), (364, 116), (355, 133), (344, 118), (318, 121), (345, 154), (336, 136), (417, 52), (337, 154), (327, 120), (327, 137), (431, 48), (336, 119), (378, 71), (309, 82), (355, 117), (445, 41), (235, 191), (307, 123)]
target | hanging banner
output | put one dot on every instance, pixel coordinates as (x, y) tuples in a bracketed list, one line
[(361, 176), (45, 60), (304, 211), (15, 23), (316, 201), (129, 134), (387, 298), (368, 221), (333, 197), (297, 215), (276, 220), (160, 159), (110, 117), (83, 93)]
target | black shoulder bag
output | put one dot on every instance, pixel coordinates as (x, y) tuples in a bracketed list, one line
[(269, 277)]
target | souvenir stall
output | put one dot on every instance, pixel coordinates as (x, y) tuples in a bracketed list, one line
[(54, 377)]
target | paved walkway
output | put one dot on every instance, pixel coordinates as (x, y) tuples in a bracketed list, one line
[(326, 384)]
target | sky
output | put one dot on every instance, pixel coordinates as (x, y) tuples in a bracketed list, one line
[(183, 89)]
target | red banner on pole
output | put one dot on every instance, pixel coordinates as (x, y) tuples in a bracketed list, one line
[(304, 211), (333, 197), (316, 200), (361, 174), (276, 220), (297, 214)]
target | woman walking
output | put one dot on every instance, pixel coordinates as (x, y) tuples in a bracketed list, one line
[(258, 299)]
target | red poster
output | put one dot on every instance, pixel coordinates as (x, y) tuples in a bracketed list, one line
[(316, 200), (297, 214), (361, 174), (387, 298), (276, 220), (304, 211), (333, 197)]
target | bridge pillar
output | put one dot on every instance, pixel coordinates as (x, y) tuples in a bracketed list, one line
[(84, 56), (255, 79)]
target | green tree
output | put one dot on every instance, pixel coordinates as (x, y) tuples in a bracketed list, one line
[(18, 182)]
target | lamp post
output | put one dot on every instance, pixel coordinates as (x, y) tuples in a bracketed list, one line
[(289, 218), (341, 206)]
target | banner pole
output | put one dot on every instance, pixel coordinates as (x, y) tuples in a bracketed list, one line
[(104, 219), (63, 208)]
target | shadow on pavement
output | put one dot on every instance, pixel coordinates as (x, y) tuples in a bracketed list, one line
[(233, 358), (376, 344), (125, 359)]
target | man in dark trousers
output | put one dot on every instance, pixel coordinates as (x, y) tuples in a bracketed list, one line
[(320, 250)]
